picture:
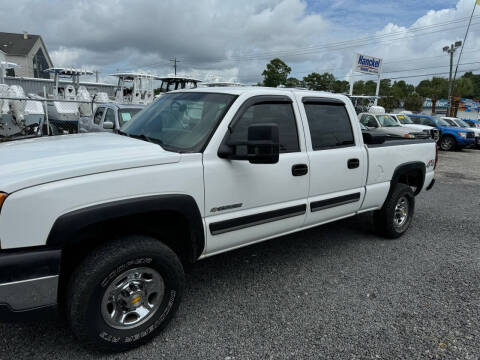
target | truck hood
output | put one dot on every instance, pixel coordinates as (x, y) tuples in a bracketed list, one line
[(399, 131), (418, 127), (31, 162)]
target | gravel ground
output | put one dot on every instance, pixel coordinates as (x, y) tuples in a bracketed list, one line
[(337, 291)]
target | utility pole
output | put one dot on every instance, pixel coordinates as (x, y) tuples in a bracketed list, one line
[(463, 45), (175, 61), (97, 77), (451, 51)]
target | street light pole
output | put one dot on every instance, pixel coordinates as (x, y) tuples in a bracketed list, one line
[(451, 51)]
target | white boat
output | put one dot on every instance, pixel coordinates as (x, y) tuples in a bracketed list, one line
[(134, 88), (177, 82), (63, 115), (20, 115)]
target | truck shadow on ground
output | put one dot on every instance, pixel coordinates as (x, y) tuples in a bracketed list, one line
[(263, 262)]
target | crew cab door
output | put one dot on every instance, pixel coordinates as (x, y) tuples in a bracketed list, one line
[(247, 202), (338, 160)]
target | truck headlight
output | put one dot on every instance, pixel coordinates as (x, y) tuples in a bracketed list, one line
[(410, 136), (3, 196), (462, 134)]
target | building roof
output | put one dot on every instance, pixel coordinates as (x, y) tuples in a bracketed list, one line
[(16, 44)]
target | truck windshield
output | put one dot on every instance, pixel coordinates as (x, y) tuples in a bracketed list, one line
[(442, 122), (404, 119), (450, 122), (462, 123), (181, 122), (387, 121), (126, 114)]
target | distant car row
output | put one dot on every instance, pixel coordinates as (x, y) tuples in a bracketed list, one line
[(450, 133)]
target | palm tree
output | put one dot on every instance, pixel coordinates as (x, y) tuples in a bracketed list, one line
[(434, 89)]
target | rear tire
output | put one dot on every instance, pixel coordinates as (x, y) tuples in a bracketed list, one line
[(396, 215), (447, 143), (124, 293)]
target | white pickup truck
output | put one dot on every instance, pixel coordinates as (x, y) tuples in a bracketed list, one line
[(101, 225)]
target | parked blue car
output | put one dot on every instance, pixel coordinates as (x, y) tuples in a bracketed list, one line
[(450, 137)]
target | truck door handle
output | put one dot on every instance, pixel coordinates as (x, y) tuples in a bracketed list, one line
[(299, 169), (353, 163)]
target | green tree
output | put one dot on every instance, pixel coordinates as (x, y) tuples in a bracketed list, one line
[(434, 89), (475, 83), (359, 87), (463, 87), (413, 102), (323, 82), (385, 87), (370, 88), (400, 90), (389, 103), (276, 73), (294, 83), (341, 86)]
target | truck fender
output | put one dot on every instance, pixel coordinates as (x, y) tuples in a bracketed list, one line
[(67, 226), (403, 169)]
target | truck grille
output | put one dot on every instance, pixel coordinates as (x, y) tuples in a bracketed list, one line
[(433, 133), (470, 135)]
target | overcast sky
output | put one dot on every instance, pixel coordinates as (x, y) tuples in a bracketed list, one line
[(233, 40)]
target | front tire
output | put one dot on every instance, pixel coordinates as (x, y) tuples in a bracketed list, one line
[(447, 143), (124, 293), (396, 215)]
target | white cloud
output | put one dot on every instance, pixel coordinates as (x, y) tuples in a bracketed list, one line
[(218, 37)]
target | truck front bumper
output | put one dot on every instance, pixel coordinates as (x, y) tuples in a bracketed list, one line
[(28, 284)]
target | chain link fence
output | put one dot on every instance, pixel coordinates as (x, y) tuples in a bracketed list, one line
[(35, 116)]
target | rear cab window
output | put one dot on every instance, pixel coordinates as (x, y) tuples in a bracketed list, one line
[(329, 123)]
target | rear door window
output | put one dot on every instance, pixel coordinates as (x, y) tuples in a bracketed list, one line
[(330, 125)]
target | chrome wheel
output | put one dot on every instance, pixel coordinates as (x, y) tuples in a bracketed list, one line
[(447, 143), (400, 216), (132, 298)]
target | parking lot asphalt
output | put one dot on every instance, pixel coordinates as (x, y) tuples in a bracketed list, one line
[(336, 292)]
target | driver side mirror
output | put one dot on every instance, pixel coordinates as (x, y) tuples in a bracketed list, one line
[(262, 145), (372, 123), (108, 125)]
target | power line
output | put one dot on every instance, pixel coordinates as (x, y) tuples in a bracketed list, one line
[(386, 63), (335, 46), (359, 42), (430, 74)]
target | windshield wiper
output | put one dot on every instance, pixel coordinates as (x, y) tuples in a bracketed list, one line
[(142, 137), (147, 138)]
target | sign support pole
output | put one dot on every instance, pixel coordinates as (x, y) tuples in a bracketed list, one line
[(377, 91)]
